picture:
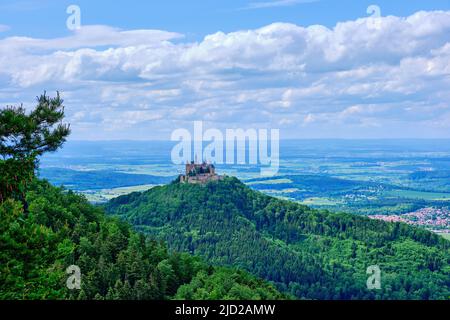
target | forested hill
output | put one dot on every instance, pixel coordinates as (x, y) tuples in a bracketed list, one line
[(60, 229), (308, 253), (55, 245)]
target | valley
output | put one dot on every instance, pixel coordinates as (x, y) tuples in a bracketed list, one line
[(377, 178)]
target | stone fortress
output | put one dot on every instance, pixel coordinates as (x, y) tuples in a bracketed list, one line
[(199, 173)]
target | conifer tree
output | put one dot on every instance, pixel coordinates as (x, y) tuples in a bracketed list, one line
[(23, 138)]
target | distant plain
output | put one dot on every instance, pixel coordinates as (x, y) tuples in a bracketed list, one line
[(369, 177)]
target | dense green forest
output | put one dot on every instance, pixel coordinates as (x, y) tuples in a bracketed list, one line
[(223, 237), (309, 253), (55, 245), (60, 228)]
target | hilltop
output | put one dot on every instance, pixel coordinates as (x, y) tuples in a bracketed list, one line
[(55, 245), (309, 253), (60, 229)]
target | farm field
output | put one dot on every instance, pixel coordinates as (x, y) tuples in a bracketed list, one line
[(446, 236), (368, 177)]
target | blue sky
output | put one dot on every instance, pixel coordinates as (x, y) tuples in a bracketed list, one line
[(313, 69), (195, 19)]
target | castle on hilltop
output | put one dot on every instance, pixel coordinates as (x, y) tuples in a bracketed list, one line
[(199, 173)]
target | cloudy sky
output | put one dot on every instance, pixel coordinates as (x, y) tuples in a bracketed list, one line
[(313, 69)]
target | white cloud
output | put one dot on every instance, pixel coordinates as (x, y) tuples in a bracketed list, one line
[(4, 28), (352, 75), (90, 36)]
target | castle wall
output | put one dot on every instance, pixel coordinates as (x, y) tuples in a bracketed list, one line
[(207, 173)]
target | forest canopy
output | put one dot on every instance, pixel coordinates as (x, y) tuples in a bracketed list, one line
[(47, 230), (311, 254)]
